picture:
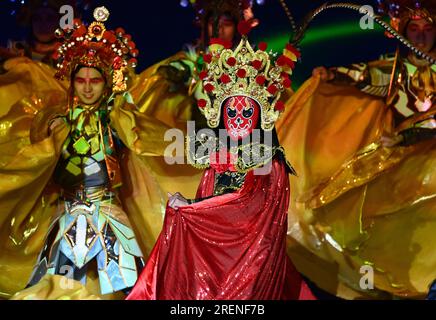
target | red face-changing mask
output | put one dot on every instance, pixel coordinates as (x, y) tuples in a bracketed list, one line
[(241, 115)]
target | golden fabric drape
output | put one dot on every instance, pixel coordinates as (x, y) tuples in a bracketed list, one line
[(323, 126), (356, 203), (28, 155)]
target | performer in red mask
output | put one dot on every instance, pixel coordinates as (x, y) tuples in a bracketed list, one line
[(229, 243)]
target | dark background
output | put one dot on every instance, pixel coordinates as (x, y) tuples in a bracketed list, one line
[(160, 28)]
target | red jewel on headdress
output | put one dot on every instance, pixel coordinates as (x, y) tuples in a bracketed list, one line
[(118, 61), (260, 80), (225, 78), (241, 73), (77, 22), (110, 37), (282, 61), (203, 75), (134, 53), (131, 45), (201, 103), (120, 32), (287, 83), (208, 87), (262, 46), (133, 62), (257, 64), (293, 50), (272, 89), (231, 61), (207, 58), (280, 106), (81, 31)]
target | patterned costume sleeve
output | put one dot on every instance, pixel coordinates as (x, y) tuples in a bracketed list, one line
[(372, 78)]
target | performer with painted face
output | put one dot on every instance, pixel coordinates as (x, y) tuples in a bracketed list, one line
[(82, 175), (229, 243), (167, 90), (176, 79), (406, 80)]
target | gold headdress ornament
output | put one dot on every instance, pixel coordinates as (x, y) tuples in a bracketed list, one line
[(247, 72), (401, 12), (94, 46)]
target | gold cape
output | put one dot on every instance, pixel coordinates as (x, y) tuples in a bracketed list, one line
[(27, 200), (153, 95), (355, 203)]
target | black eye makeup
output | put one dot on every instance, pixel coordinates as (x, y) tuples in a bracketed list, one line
[(248, 113), (231, 113)]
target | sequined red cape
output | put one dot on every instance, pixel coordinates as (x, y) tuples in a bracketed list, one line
[(226, 247)]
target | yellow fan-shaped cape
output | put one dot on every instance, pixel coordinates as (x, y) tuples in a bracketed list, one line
[(323, 126), (27, 199)]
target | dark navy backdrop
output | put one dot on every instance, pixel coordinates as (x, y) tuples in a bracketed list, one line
[(160, 28)]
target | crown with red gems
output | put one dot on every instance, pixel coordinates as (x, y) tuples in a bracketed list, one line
[(246, 72), (113, 52)]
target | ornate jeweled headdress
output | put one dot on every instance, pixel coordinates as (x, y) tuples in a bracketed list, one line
[(401, 12), (246, 72), (111, 51)]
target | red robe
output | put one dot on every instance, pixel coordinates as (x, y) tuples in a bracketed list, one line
[(228, 247)]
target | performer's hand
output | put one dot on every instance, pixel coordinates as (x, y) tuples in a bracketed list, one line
[(54, 124), (323, 73), (390, 141), (177, 200)]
